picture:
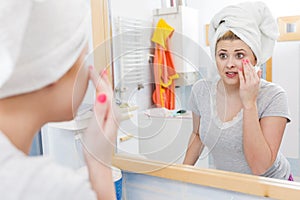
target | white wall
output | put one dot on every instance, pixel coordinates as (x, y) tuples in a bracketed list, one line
[(137, 9), (286, 64), (278, 8), (209, 8)]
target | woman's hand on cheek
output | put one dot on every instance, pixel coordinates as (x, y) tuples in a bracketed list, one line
[(100, 136), (249, 84)]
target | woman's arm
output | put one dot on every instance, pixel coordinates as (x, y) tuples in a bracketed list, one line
[(195, 146), (261, 138), (100, 138)]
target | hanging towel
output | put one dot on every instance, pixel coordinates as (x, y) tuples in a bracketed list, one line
[(163, 67), (252, 22)]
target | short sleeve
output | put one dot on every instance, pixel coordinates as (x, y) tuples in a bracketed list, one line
[(277, 106), (193, 105)]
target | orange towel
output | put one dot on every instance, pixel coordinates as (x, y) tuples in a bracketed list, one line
[(163, 66)]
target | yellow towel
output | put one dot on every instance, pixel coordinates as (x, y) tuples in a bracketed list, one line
[(162, 32), (163, 66)]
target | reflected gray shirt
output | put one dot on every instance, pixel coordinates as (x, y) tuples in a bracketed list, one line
[(225, 139)]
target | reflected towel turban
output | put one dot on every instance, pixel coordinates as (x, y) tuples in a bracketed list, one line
[(252, 22)]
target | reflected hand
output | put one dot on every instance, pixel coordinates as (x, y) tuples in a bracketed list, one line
[(100, 136), (249, 84)]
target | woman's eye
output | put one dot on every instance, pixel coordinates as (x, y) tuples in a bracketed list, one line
[(240, 55), (222, 56)]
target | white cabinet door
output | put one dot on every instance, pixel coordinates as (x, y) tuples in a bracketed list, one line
[(166, 139)]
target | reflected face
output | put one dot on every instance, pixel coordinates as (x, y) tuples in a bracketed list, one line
[(229, 56)]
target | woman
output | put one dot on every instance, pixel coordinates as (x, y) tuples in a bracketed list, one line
[(240, 117), (43, 79)]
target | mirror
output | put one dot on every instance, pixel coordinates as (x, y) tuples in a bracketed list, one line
[(160, 134), (152, 133)]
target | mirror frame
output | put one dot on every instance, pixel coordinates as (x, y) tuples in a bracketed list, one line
[(244, 183), (225, 180), (283, 22), (102, 33)]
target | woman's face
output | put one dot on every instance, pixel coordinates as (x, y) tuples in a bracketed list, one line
[(80, 85), (229, 57), (73, 86)]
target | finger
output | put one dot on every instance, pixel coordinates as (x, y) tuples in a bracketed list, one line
[(113, 118), (93, 75), (241, 75), (103, 95), (105, 79), (259, 73), (254, 70), (101, 109), (106, 86), (101, 83), (247, 71)]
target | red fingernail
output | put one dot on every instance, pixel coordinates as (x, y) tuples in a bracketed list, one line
[(247, 61), (101, 98), (244, 61)]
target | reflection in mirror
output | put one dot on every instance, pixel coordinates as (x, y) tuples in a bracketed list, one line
[(155, 133), (162, 134)]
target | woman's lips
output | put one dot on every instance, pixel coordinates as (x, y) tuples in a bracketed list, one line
[(231, 74)]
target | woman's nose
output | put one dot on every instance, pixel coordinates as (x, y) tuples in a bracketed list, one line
[(231, 62)]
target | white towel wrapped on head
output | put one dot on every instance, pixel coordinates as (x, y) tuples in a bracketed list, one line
[(252, 22), (40, 41)]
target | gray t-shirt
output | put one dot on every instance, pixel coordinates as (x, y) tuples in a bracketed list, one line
[(224, 139)]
